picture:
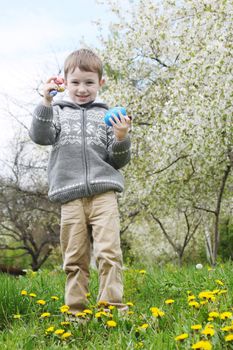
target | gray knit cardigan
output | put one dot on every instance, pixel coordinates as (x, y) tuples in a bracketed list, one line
[(85, 156)]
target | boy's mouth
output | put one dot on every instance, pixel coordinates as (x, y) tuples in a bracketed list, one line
[(82, 96)]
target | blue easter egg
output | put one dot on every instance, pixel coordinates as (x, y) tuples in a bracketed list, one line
[(53, 92), (114, 111)]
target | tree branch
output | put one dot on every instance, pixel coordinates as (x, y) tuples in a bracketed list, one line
[(168, 166), (165, 232), (205, 209)]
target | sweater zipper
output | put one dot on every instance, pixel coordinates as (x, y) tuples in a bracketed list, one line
[(87, 187)]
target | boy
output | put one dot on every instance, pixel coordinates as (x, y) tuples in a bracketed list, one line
[(83, 176)]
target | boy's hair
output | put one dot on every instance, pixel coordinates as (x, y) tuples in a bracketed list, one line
[(86, 60)]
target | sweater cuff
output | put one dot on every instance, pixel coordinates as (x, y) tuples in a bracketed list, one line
[(121, 146), (44, 113)]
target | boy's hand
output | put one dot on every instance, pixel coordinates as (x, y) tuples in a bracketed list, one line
[(48, 86), (120, 126)]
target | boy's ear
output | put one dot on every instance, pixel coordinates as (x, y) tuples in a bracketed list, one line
[(102, 81)]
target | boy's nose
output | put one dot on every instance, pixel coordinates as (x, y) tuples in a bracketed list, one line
[(82, 87)]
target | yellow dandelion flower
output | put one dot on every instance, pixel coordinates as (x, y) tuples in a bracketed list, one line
[(204, 302), (41, 302), (229, 337), (209, 325), (17, 316), (181, 337), (59, 331), (169, 301), (23, 292), (212, 298), (32, 295), (227, 328), (223, 291), (65, 323), (88, 295), (144, 326), (208, 331), (66, 335), (88, 311), (202, 345), (214, 314), (111, 307), (205, 295), (98, 314), (139, 345), (220, 283), (50, 329), (111, 324), (196, 327), (64, 309), (129, 303), (142, 272), (104, 313), (157, 312), (45, 315), (216, 291), (53, 297), (130, 313), (225, 315), (194, 304), (191, 297), (153, 309), (102, 303)]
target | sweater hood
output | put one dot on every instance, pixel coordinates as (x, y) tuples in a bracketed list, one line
[(69, 103)]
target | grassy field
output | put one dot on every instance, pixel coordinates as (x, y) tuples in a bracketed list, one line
[(169, 308)]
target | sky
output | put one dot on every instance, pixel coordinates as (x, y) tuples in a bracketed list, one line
[(35, 38), (30, 31)]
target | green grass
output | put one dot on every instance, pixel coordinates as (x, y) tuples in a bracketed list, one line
[(144, 290)]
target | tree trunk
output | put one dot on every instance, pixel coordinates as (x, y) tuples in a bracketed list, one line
[(217, 214), (209, 246)]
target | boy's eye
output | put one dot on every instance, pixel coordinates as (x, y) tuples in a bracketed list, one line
[(90, 82)]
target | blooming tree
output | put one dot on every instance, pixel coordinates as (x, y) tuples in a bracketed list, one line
[(170, 64), (29, 224)]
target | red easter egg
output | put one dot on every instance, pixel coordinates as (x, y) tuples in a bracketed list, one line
[(59, 81)]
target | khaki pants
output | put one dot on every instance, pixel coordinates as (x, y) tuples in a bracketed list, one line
[(100, 213)]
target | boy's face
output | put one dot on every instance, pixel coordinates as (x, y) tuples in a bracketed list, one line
[(83, 86)]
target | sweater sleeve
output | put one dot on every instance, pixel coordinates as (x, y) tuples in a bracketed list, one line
[(119, 151), (43, 129)]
